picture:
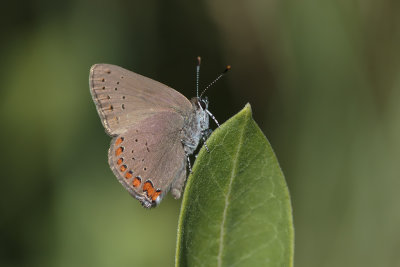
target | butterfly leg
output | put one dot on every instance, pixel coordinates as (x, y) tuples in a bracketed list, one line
[(204, 135), (212, 116), (205, 145), (189, 164), (207, 133)]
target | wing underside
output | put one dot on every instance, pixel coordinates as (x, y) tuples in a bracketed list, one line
[(124, 98), (148, 159)]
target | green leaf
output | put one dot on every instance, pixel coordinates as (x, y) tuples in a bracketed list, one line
[(236, 208)]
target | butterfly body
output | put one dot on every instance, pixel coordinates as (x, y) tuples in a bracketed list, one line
[(154, 130), (196, 123)]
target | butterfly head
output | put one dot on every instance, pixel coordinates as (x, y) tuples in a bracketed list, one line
[(202, 102), (200, 114)]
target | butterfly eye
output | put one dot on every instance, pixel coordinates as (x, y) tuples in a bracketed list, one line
[(203, 104)]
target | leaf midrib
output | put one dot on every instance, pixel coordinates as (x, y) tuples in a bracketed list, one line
[(227, 196)]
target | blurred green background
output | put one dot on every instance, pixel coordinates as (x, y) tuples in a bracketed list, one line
[(323, 78)]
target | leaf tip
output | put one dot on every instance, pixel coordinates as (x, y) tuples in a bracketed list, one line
[(247, 110)]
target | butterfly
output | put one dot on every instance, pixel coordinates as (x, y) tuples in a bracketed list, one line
[(154, 130)]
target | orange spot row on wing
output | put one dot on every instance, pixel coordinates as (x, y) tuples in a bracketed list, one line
[(136, 182), (149, 188), (119, 151), (119, 161), (110, 107), (151, 192), (119, 141), (122, 168), (128, 174), (155, 195)]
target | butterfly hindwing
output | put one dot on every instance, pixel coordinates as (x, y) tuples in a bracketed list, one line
[(149, 157)]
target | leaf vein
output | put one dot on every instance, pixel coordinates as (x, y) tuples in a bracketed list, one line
[(233, 174)]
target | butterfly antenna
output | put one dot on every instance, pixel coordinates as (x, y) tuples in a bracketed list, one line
[(216, 79), (198, 75)]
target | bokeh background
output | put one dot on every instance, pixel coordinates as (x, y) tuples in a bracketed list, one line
[(323, 79)]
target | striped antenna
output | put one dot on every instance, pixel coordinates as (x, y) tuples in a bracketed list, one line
[(198, 75), (216, 79)]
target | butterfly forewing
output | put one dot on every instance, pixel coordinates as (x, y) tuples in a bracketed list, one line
[(124, 98)]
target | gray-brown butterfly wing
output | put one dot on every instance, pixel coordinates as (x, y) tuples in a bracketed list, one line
[(124, 98), (148, 159)]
